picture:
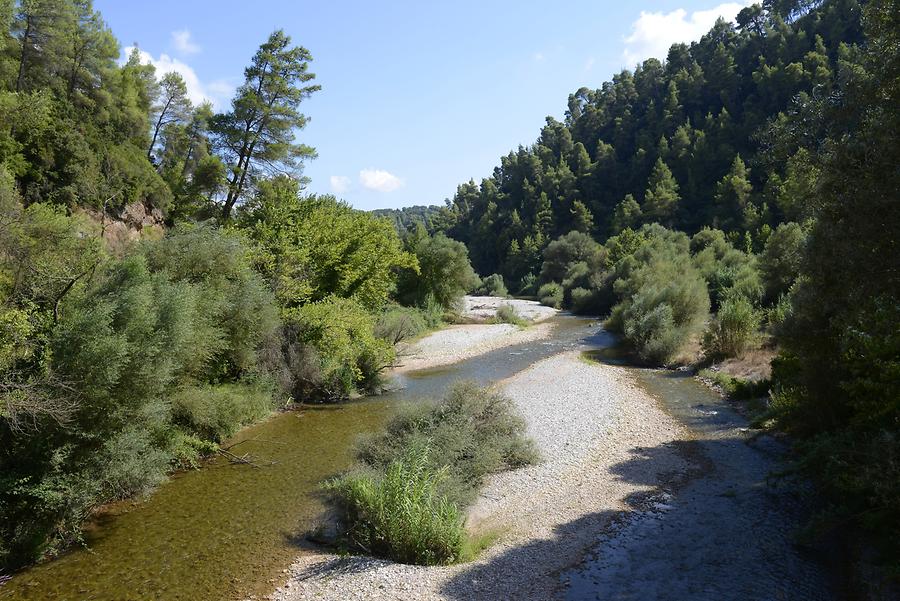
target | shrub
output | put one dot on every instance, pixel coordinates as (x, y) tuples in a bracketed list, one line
[(492, 285), (737, 388), (574, 247), (349, 355), (399, 513), (727, 271), (733, 329), (216, 412), (781, 259), (663, 298), (398, 324), (508, 314), (528, 284), (551, 294), (779, 315), (444, 274), (473, 431)]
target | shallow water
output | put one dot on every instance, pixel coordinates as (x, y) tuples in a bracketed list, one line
[(227, 531)]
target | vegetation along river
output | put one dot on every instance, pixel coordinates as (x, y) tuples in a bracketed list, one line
[(228, 531)]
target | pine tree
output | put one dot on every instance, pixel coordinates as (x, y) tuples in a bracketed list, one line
[(661, 198), (733, 197), (258, 135), (626, 215)]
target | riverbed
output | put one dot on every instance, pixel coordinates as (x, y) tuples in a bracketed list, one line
[(651, 487)]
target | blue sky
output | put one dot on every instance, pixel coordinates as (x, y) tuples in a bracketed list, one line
[(416, 97)]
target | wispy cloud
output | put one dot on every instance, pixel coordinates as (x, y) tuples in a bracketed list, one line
[(653, 32), (589, 63), (538, 57), (379, 180), (182, 41), (339, 183), (218, 91)]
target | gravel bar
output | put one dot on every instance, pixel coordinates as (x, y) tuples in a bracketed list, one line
[(591, 424)]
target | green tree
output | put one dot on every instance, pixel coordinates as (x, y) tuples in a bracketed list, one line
[(444, 276), (314, 248), (734, 208), (173, 106), (661, 198), (258, 134), (627, 214)]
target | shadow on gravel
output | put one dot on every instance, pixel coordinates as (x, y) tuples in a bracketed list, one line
[(720, 530)]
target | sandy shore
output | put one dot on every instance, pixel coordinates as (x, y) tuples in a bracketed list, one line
[(460, 342), (592, 425)]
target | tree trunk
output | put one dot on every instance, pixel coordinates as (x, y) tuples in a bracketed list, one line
[(23, 58), (162, 115)]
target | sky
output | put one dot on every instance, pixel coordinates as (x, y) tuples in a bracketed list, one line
[(417, 97)]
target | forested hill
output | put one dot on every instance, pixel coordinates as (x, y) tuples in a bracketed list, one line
[(682, 141)]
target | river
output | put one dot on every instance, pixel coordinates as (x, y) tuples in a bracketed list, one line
[(226, 532)]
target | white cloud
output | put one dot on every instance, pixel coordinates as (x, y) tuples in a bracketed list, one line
[(589, 63), (183, 42), (379, 180), (339, 183), (539, 57), (654, 32), (218, 92)]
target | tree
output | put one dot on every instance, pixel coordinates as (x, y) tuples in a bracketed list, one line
[(782, 258), (582, 220), (317, 247), (173, 106), (565, 251), (258, 134), (627, 214), (661, 198), (734, 208), (89, 47), (445, 273)]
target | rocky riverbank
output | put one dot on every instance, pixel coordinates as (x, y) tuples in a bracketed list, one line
[(591, 424), (457, 343)]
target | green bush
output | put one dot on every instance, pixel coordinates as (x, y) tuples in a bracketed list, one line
[(348, 354), (444, 273), (492, 285), (562, 253), (663, 298), (737, 388), (216, 412), (727, 271), (398, 324), (508, 314), (404, 500), (779, 315), (399, 513), (473, 431), (551, 295), (734, 328), (528, 284), (781, 259)]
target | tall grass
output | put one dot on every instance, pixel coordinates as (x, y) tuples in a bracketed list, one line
[(400, 514)]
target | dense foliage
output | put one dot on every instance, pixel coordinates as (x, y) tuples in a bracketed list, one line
[(675, 142), (164, 279)]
